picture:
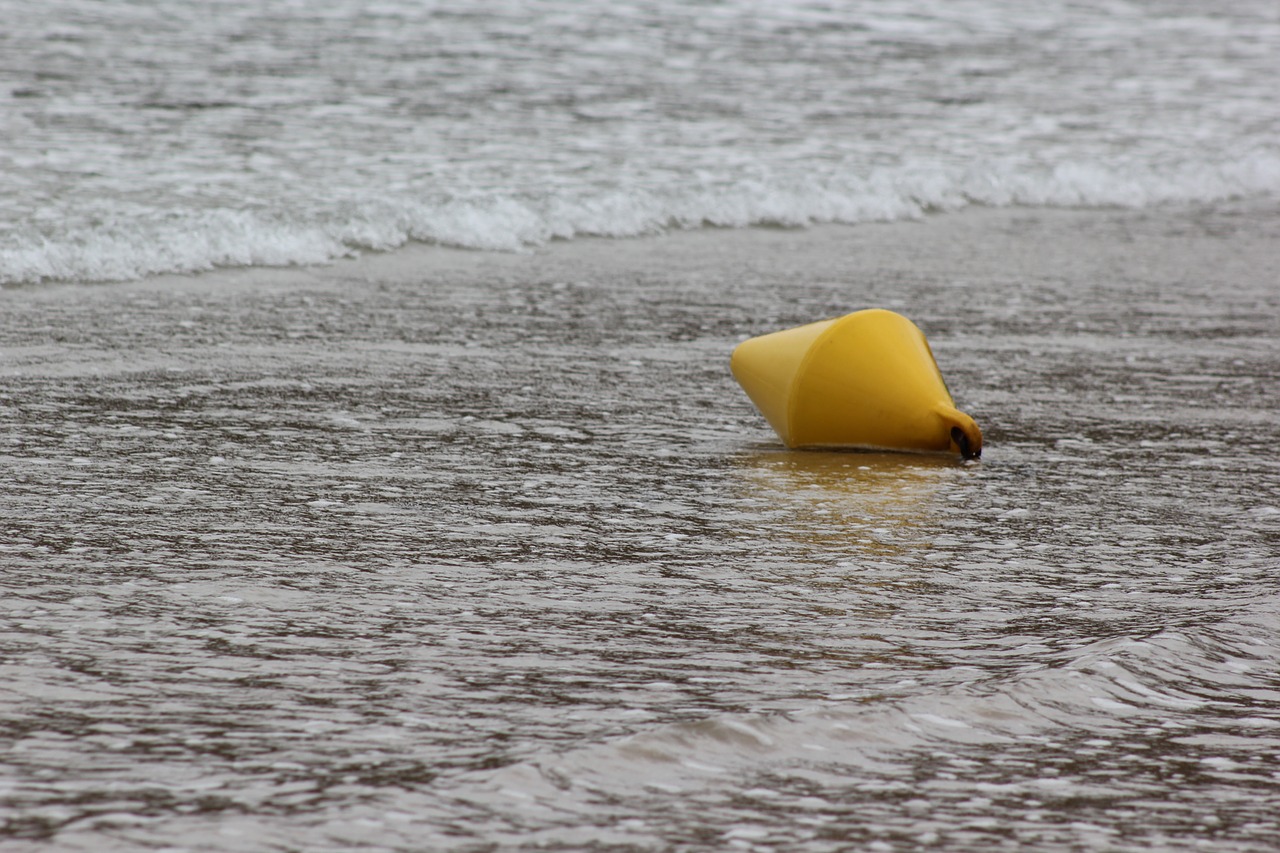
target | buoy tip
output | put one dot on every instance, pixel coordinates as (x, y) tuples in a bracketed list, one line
[(970, 449), (966, 435)]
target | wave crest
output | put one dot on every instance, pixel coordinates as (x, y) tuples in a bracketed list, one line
[(151, 243)]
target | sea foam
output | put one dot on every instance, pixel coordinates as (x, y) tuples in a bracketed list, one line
[(193, 241)]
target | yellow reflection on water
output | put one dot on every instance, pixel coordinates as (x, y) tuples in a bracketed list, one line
[(876, 500)]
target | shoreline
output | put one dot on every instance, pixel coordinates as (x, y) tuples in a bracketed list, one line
[(1008, 282), (1015, 279), (887, 240), (1172, 310)]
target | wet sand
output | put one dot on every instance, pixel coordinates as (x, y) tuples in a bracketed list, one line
[(460, 548)]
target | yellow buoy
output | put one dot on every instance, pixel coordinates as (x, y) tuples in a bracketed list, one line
[(865, 380)]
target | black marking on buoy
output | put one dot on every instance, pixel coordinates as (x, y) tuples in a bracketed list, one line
[(962, 442)]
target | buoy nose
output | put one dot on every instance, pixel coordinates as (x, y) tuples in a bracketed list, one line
[(965, 434)]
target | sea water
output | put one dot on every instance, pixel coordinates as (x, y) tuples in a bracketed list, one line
[(475, 550), (490, 553), (140, 138)]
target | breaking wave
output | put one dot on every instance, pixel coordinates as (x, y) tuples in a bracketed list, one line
[(133, 243)]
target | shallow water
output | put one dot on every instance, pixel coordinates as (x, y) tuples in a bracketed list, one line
[(497, 555)]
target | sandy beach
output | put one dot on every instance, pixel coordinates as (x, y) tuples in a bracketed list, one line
[(349, 554)]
